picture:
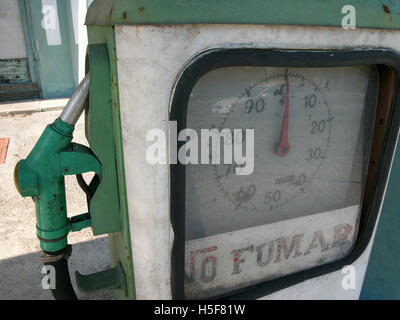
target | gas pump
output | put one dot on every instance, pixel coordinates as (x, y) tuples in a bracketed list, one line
[(241, 149)]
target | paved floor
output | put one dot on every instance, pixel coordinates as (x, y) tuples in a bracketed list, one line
[(20, 273)]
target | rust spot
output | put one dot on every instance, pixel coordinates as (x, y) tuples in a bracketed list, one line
[(386, 9), (124, 15), (141, 9), (387, 12)]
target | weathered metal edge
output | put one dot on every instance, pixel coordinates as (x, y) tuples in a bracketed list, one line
[(376, 14), (120, 242)]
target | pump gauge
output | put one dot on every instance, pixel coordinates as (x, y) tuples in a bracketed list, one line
[(293, 123), (298, 205)]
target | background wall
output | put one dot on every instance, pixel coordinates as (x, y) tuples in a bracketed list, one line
[(59, 37), (12, 42), (42, 48)]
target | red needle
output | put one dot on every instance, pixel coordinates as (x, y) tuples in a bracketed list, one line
[(283, 147)]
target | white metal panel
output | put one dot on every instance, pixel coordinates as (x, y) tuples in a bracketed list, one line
[(12, 41), (150, 59), (275, 258)]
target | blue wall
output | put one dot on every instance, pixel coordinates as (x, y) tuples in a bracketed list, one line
[(55, 65), (382, 280)]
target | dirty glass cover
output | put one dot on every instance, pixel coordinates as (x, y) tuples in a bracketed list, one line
[(300, 206)]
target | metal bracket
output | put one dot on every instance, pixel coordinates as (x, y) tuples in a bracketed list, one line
[(79, 222), (112, 279), (79, 159)]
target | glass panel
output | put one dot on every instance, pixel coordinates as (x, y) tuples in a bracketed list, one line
[(300, 205)]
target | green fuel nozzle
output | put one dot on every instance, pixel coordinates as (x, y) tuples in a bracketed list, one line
[(41, 174), (39, 177)]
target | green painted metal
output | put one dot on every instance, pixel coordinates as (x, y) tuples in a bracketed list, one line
[(41, 176), (79, 159), (382, 279), (113, 279), (103, 57), (104, 205), (37, 177), (81, 221), (369, 14)]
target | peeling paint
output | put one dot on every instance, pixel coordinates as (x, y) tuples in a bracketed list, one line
[(14, 71)]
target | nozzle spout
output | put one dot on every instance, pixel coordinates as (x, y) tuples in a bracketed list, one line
[(77, 102)]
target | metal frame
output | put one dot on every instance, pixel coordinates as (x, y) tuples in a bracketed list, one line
[(105, 107), (378, 14), (218, 58)]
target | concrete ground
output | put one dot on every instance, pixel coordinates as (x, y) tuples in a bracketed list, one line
[(20, 272)]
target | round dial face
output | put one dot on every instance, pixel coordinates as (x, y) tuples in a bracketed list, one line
[(311, 129), (292, 126)]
